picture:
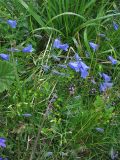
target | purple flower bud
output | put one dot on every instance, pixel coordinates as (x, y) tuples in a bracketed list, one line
[(113, 61), (94, 46), (77, 57), (115, 25), (12, 23), (4, 56)]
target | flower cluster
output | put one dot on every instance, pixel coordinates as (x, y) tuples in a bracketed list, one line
[(79, 66), (106, 84), (6, 57)]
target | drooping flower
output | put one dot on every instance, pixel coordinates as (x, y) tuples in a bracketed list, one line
[(2, 142), (94, 46), (79, 66), (84, 73), (57, 44), (27, 115), (106, 77), (105, 85), (113, 61), (77, 57), (75, 66), (27, 49), (84, 66), (12, 23), (115, 25), (101, 130), (1, 158), (4, 56)]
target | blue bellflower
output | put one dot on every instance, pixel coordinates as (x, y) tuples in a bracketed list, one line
[(2, 142), (113, 61), (79, 66), (115, 25), (12, 23), (4, 56), (57, 44), (27, 49), (75, 66), (106, 77), (94, 46), (105, 85)]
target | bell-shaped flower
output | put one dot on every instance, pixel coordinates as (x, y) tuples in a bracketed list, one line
[(2, 142), (79, 66), (12, 23), (5, 57), (106, 77), (94, 46), (105, 85), (27, 49), (113, 61), (57, 44)]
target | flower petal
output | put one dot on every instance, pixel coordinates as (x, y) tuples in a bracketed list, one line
[(12, 23), (74, 66), (94, 46), (106, 77), (4, 56), (27, 49), (113, 61), (115, 25)]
